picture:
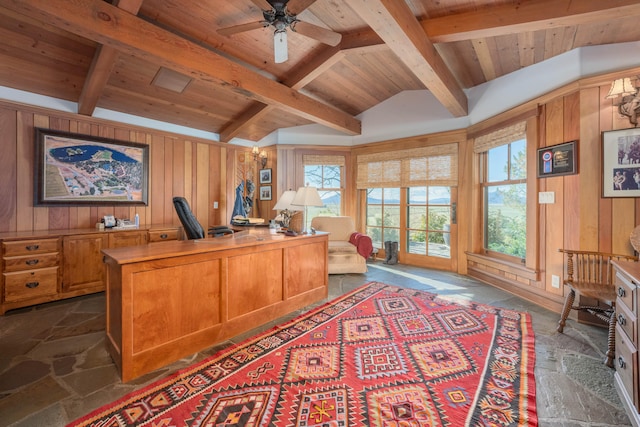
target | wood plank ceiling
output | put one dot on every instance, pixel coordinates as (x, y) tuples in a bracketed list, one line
[(131, 55)]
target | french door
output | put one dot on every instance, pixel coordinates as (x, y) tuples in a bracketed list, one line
[(421, 219)]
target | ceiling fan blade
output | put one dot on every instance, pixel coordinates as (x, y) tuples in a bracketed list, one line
[(295, 7), (263, 4), (242, 27), (318, 33), (280, 49)]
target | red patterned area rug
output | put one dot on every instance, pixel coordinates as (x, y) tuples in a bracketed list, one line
[(378, 356)]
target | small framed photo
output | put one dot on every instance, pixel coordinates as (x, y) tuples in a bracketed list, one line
[(621, 163), (558, 159), (265, 176), (265, 192)]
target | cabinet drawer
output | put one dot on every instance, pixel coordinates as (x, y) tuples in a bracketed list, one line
[(163, 235), (625, 364), (123, 239), (626, 290), (20, 263), (30, 284), (627, 321), (26, 247)]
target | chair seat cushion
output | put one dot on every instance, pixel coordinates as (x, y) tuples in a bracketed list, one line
[(343, 247)]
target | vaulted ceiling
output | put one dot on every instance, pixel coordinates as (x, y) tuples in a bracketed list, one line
[(166, 60)]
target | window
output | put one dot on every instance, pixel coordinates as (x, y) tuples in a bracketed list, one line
[(383, 215), (505, 198), (325, 173), (428, 221)]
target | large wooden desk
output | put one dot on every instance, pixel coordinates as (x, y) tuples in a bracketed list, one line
[(168, 300)]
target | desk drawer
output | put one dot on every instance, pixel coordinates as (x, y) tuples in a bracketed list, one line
[(625, 364), (625, 289), (29, 247), (21, 263), (30, 284), (627, 321), (163, 235)]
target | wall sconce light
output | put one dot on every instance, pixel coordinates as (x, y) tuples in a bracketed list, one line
[(629, 104), (259, 155)]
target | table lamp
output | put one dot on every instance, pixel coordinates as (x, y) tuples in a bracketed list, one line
[(286, 209), (307, 196)]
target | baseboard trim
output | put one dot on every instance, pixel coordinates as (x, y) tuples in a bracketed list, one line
[(534, 295)]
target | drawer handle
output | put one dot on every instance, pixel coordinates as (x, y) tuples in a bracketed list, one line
[(621, 363), (32, 247), (32, 262), (621, 319), (32, 285), (164, 236), (621, 292)]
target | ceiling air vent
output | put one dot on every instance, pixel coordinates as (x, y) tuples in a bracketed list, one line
[(171, 80)]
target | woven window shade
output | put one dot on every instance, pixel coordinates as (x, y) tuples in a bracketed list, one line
[(434, 165), (500, 137), (313, 159)]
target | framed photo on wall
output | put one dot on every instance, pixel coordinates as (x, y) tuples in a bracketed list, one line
[(265, 192), (265, 176), (558, 159), (621, 163), (73, 169)]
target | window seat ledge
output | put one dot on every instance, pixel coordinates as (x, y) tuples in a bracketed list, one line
[(504, 266)]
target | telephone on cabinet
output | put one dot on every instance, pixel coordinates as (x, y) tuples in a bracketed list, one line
[(109, 221)]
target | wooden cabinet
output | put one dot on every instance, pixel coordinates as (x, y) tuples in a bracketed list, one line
[(83, 271), (46, 266), (30, 270), (626, 362)]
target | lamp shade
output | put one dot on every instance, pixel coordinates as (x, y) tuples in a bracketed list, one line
[(307, 196), (284, 202), (621, 87)]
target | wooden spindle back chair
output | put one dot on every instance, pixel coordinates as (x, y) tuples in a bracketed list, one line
[(590, 273)]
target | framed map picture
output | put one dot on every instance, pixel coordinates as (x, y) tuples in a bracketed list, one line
[(73, 169)]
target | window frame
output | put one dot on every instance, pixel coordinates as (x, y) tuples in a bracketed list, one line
[(532, 259), (486, 184), (339, 190)]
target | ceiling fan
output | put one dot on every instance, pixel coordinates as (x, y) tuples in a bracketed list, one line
[(282, 15)]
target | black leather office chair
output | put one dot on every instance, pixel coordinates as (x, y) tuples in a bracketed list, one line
[(189, 222), (191, 225)]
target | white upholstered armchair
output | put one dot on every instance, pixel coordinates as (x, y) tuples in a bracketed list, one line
[(345, 243)]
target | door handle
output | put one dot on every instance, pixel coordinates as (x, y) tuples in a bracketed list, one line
[(454, 212)]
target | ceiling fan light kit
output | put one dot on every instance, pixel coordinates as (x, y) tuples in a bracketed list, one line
[(280, 51), (282, 15)]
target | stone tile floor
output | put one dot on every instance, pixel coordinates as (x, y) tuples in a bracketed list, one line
[(54, 367)]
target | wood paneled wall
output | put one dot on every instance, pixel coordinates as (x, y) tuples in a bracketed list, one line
[(179, 166), (580, 218)]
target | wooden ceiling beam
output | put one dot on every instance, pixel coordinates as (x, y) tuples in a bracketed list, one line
[(108, 25), (301, 77), (245, 121), (525, 16), (328, 57), (103, 62), (396, 24)]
